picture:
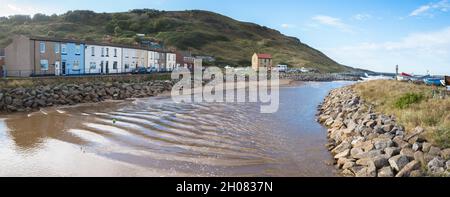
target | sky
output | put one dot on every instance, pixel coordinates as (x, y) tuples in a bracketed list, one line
[(369, 34)]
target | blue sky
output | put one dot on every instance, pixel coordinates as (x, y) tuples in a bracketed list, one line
[(371, 34)]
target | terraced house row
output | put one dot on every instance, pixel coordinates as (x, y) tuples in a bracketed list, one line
[(38, 56)]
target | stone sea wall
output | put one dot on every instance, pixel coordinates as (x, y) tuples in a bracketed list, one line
[(35, 97), (368, 144)]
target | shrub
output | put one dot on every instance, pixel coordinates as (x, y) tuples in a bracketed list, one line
[(408, 99), (442, 137)]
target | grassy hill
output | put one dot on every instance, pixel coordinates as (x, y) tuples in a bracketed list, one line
[(204, 33)]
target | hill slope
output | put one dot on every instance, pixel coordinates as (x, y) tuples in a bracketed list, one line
[(204, 33)]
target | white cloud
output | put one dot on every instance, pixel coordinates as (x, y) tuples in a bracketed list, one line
[(430, 8), (288, 26), (12, 7), (415, 53), (362, 17), (332, 22)]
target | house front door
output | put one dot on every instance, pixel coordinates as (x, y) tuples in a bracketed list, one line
[(57, 68), (107, 67), (101, 67), (63, 68)]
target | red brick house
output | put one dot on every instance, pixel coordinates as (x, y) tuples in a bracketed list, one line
[(185, 60)]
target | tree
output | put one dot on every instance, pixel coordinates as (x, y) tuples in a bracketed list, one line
[(41, 17), (117, 31), (19, 19), (135, 27), (51, 34)]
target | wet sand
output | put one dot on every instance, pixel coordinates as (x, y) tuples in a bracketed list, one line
[(156, 137)]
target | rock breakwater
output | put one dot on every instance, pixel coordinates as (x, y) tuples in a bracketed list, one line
[(369, 144), (27, 99)]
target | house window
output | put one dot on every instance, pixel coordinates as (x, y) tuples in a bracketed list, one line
[(56, 48), (63, 49), (77, 50), (115, 52), (103, 52), (107, 52), (115, 65), (127, 66), (42, 47), (93, 51), (44, 65), (76, 65), (93, 66)]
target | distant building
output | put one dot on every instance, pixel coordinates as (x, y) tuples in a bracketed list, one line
[(38, 56), (171, 59), (261, 60), (2, 63), (2, 53), (162, 61), (206, 58), (31, 56), (153, 60), (102, 59), (185, 59), (72, 58)]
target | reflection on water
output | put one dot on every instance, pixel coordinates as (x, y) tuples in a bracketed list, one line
[(156, 137)]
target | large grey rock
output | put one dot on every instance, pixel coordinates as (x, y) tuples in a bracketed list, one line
[(419, 156), (348, 173), (416, 146), (407, 152), (343, 154), (445, 154), (391, 151), (355, 169), (369, 171), (447, 165), (398, 162), (341, 148), (426, 147), (380, 161), (387, 127), (356, 151), (436, 162), (436, 166), (364, 162), (405, 171), (416, 132), (434, 151), (399, 142), (369, 154), (382, 143), (348, 165), (385, 172), (428, 157), (416, 173)]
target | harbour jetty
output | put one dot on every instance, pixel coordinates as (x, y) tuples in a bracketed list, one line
[(365, 143), (74, 92), (322, 77)]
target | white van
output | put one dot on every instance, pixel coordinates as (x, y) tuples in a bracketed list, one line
[(282, 68)]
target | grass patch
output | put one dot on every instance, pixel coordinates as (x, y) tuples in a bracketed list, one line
[(407, 100), (413, 105), (442, 136)]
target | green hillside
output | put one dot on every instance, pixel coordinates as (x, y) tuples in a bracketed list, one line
[(204, 33)]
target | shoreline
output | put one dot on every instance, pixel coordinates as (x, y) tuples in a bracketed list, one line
[(369, 144)]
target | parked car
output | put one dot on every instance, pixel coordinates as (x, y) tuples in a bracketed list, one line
[(282, 68), (152, 70), (140, 70)]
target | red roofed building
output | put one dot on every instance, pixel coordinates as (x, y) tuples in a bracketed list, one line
[(261, 60)]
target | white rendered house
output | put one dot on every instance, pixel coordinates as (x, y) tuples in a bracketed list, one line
[(103, 59)]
